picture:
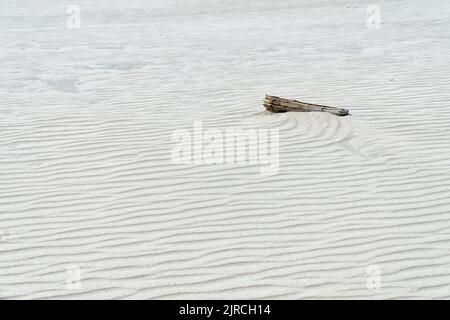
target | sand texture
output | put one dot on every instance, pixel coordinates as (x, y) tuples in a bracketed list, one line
[(88, 188)]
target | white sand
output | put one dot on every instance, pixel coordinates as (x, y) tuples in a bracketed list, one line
[(86, 177)]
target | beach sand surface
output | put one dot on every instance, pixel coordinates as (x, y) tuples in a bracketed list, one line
[(92, 204)]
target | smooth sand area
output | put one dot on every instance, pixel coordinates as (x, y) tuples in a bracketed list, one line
[(92, 204)]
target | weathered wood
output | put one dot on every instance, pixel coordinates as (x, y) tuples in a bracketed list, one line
[(276, 104)]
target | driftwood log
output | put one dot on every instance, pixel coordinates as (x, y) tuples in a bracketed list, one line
[(276, 104)]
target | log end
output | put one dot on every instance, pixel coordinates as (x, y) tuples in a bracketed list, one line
[(342, 112)]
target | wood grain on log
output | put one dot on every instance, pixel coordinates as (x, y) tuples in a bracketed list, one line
[(276, 104)]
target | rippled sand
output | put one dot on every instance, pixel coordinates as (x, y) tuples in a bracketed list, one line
[(359, 208)]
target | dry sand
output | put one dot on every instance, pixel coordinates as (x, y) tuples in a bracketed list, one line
[(360, 205)]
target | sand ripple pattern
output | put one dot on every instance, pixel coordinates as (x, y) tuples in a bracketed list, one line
[(86, 177)]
